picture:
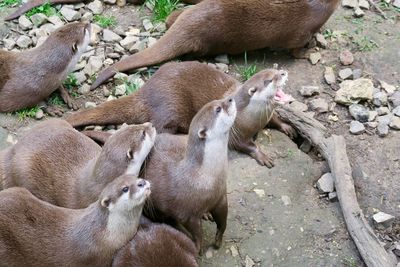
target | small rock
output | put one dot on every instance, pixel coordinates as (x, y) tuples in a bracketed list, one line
[(372, 115), (87, 17), (94, 65), (234, 251), (132, 31), (286, 200), (24, 23), (319, 105), (396, 3), (24, 41), (396, 111), (315, 57), (114, 55), (259, 192), (151, 41), (111, 2), (222, 67), (9, 44), (38, 19), (298, 106), (108, 62), (354, 91), (147, 25), (395, 123), (128, 42), (160, 27), (96, 7), (383, 220), (120, 78), (110, 36), (346, 58), (357, 74), (380, 99), (120, 90), (123, 2), (345, 74), (388, 87), (364, 4), (69, 14), (332, 197), (395, 99), (209, 253), (385, 119), (329, 75), (306, 146), (84, 89), (359, 112), (310, 90), (358, 12), (382, 129), (90, 105), (48, 28), (383, 111), (95, 30), (249, 262), (312, 43), (356, 127), (80, 65), (321, 41), (106, 92), (80, 77), (372, 124), (325, 184), (40, 41), (39, 114), (222, 59), (333, 118), (350, 3), (55, 20), (138, 46)]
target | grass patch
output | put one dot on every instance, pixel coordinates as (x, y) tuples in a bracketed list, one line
[(10, 3), (105, 21), (71, 82), (131, 87), (26, 113), (162, 8), (247, 71), (45, 9), (365, 44), (56, 100)]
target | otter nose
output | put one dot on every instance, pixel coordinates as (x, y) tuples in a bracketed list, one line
[(141, 183)]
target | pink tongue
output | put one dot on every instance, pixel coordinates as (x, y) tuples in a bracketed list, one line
[(280, 96)]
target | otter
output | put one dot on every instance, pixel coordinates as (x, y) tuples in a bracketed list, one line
[(215, 27), (64, 167), (157, 245), (36, 233), (174, 94), (28, 77), (188, 173)]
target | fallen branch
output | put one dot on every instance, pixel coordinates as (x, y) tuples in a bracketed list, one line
[(378, 8), (333, 149)]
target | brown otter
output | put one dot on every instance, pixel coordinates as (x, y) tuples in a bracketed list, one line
[(36, 233), (28, 77), (188, 173), (214, 27), (157, 245), (64, 167), (174, 94)]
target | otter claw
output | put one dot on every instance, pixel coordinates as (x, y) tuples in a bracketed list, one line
[(264, 160), (288, 130), (54, 111), (208, 217)]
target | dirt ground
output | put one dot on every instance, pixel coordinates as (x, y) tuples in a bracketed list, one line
[(276, 216)]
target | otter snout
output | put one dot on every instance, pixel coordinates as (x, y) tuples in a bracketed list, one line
[(228, 103), (143, 186)]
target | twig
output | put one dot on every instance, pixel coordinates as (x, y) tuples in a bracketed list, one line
[(378, 8)]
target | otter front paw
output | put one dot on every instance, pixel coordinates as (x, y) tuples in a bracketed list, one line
[(288, 130), (54, 111), (208, 217), (264, 160)]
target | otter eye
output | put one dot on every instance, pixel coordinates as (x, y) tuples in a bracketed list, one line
[(74, 48), (218, 109), (144, 134), (125, 189)]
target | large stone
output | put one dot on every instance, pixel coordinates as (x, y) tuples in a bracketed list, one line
[(110, 36), (24, 23), (315, 58), (395, 123), (329, 75), (356, 127), (24, 41), (96, 7), (70, 14), (325, 184), (345, 74), (359, 112), (355, 91), (346, 57), (383, 220), (38, 19), (310, 90), (319, 105)]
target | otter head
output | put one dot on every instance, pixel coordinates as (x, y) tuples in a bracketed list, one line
[(214, 119), (266, 86), (76, 36), (124, 194), (127, 148)]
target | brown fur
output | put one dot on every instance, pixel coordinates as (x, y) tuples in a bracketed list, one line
[(28, 77), (224, 26), (64, 167), (36, 233), (188, 173), (174, 94), (157, 245)]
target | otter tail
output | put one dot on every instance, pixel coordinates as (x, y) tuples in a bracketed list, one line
[(127, 109), (35, 3), (174, 43)]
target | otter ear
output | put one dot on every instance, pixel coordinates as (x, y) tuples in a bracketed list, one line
[(129, 154), (74, 47), (202, 133), (105, 202), (252, 90)]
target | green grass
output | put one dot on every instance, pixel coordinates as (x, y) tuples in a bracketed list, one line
[(364, 44), (10, 3), (247, 71), (105, 21), (71, 82), (131, 87), (56, 100), (45, 9), (162, 8), (349, 262), (26, 113)]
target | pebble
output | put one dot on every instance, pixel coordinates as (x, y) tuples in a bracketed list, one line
[(222, 59), (315, 58), (395, 99), (40, 41), (286, 200), (222, 67), (114, 55), (80, 77), (356, 127), (345, 74), (95, 30), (84, 89), (24, 23), (138, 46), (380, 99), (55, 20), (319, 105), (128, 42), (387, 87), (24, 41), (372, 124), (147, 25), (90, 105), (354, 91), (110, 36), (325, 184), (396, 111), (321, 41), (259, 192), (87, 17), (363, 4), (108, 62), (234, 251), (350, 3), (9, 44), (386, 119), (395, 123), (38, 19), (383, 111), (151, 41), (160, 27), (209, 253), (383, 220), (69, 14), (120, 90), (372, 115), (382, 129), (357, 74), (346, 58), (310, 90), (94, 65), (329, 75), (48, 28), (332, 197), (80, 65), (39, 114), (111, 2), (359, 112), (249, 262), (358, 12), (298, 106), (306, 146), (96, 7), (396, 3)]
